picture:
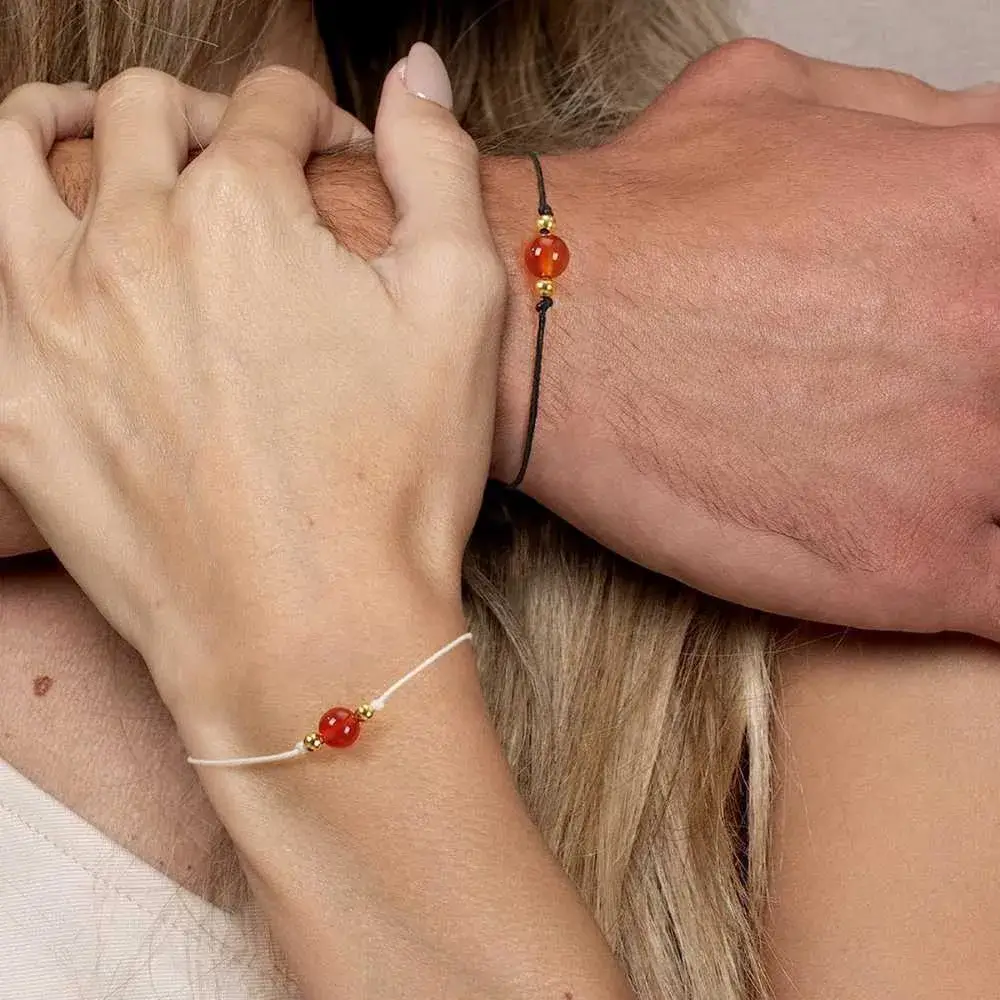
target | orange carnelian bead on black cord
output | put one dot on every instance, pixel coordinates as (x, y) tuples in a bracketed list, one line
[(546, 257)]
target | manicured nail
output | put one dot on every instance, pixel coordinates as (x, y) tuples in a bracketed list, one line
[(425, 76)]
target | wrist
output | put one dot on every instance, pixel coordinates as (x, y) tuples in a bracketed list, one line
[(381, 860), (252, 671), (511, 206), (511, 194), (268, 710), (352, 199)]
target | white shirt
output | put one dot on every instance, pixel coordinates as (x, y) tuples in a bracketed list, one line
[(81, 918)]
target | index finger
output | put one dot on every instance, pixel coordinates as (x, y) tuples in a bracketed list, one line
[(33, 216)]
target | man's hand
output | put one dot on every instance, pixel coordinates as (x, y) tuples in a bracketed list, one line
[(773, 368), (774, 365)]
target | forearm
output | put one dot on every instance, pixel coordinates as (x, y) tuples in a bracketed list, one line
[(406, 865)]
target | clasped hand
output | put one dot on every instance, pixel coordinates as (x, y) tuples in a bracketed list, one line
[(215, 414)]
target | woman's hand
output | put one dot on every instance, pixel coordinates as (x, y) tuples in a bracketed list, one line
[(240, 438), (227, 427)]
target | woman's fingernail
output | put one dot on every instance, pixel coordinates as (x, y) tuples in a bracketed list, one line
[(77, 85), (425, 76)]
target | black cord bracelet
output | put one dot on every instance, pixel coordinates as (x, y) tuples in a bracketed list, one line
[(546, 258)]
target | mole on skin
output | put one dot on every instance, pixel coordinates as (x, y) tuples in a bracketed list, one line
[(42, 685)]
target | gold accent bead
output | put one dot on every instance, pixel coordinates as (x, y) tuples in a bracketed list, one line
[(365, 712), (545, 287), (313, 742), (546, 222)]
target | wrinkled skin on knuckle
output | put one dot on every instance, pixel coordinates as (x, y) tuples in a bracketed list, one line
[(276, 75), (217, 190), (462, 272), (453, 151), (459, 148), (298, 89)]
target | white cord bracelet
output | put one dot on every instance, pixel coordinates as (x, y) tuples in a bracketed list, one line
[(339, 727)]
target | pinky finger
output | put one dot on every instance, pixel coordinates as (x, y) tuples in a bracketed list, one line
[(32, 214)]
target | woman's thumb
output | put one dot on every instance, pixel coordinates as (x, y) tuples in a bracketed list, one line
[(428, 162)]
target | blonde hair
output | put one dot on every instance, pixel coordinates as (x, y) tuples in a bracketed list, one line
[(634, 712)]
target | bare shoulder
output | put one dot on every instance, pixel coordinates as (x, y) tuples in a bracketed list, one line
[(886, 848)]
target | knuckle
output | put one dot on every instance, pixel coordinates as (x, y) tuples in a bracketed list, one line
[(447, 144), (435, 132), (136, 83), (756, 54), (912, 85), (450, 154), (284, 78), (218, 183), (457, 143), (746, 64), (456, 255), (54, 339), (32, 93), (909, 96), (467, 265)]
